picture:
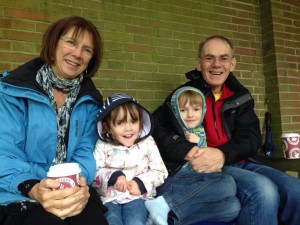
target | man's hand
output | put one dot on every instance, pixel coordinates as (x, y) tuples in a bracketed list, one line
[(191, 153), (207, 160)]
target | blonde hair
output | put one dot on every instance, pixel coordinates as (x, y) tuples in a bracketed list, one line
[(190, 96)]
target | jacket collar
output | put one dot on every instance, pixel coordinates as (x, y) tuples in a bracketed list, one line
[(25, 76), (197, 80)]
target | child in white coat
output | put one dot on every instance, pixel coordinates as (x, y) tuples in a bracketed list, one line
[(129, 165)]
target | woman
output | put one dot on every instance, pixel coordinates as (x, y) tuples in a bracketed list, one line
[(49, 106)]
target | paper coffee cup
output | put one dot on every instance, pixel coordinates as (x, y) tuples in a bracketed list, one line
[(291, 145), (68, 174)]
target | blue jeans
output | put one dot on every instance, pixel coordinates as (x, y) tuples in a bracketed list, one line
[(131, 213), (264, 193), (194, 197)]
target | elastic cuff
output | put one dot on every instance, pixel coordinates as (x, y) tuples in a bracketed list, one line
[(141, 185), (26, 186), (114, 177)]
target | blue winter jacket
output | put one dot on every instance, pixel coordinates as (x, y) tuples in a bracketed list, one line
[(28, 130)]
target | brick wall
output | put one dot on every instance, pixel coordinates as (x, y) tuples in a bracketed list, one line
[(149, 45), (281, 49)]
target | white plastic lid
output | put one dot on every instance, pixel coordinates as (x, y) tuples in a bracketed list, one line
[(64, 169), (288, 135)]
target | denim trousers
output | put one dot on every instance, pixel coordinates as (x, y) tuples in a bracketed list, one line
[(131, 213), (265, 193), (194, 197)]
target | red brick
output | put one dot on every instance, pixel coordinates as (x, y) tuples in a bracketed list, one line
[(245, 51), (26, 14)]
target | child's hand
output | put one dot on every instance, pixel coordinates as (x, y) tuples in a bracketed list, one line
[(121, 184), (133, 188), (191, 137)]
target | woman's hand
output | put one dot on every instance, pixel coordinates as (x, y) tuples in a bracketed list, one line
[(84, 190), (133, 188), (62, 203)]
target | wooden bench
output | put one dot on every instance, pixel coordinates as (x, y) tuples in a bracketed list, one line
[(290, 166)]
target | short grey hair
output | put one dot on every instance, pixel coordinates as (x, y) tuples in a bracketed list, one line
[(220, 37)]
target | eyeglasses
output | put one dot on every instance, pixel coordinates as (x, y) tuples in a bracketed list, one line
[(73, 45), (221, 59)]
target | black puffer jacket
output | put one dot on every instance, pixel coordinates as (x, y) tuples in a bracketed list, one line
[(238, 117)]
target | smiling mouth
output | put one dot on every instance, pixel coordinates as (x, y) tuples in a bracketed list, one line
[(215, 73), (128, 136), (72, 63)]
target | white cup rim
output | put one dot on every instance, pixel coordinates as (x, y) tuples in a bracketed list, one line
[(287, 135), (64, 169)]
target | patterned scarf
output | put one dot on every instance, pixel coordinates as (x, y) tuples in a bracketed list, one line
[(48, 80), (200, 132)]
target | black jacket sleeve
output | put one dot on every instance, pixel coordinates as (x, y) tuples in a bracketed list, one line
[(243, 131)]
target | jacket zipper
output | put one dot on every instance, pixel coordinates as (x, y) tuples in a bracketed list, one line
[(214, 117)]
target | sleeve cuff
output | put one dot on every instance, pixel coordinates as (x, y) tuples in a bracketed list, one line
[(141, 185), (113, 178), (26, 186)]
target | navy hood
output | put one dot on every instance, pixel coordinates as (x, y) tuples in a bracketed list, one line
[(114, 101)]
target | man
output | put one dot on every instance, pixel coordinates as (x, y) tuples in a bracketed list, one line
[(233, 136)]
